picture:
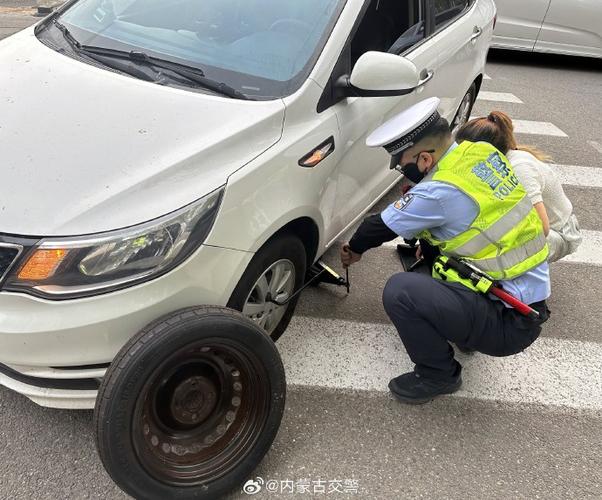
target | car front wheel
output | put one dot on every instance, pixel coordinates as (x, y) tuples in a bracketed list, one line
[(274, 274)]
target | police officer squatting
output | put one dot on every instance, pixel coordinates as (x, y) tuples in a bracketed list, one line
[(469, 205)]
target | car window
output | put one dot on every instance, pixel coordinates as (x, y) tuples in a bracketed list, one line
[(260, 47), (448, 10), (389, 26)]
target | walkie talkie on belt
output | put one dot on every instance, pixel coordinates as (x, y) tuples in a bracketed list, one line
[(481, 282)]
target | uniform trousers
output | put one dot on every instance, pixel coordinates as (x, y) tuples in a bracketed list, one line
[(430, 313)]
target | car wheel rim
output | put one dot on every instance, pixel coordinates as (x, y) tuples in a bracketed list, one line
[(200, 413), (276, 283), (463, 113)]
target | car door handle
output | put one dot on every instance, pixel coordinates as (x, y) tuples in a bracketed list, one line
[(428, 76), (477, 32)]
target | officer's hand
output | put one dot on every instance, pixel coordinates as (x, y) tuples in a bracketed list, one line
[(349, 257), (406, 185), (418, 252)]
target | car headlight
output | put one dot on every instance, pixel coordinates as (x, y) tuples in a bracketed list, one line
[(61, 268)]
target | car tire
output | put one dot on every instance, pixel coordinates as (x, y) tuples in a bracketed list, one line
[(283, 248), (190, 405), (465, 108)]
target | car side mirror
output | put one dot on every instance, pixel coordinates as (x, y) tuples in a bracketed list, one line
[(379, 74)]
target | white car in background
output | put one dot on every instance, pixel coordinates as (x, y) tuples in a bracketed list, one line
[(158, 155), (560, 26)]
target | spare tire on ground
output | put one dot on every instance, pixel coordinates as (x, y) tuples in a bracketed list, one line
[(190, 405)]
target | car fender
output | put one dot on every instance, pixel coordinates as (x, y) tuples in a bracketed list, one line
[(258, 204)]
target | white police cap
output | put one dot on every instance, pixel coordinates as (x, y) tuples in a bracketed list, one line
[(405, 129)]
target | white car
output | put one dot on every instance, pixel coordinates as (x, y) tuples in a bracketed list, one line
[(560, 26), (157, 156)]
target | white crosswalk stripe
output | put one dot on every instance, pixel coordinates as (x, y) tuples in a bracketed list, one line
[(499, 97), (347, 355), (535, 128), (579, 176)]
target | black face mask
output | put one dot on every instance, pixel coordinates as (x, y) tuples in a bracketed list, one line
[(412, 172)]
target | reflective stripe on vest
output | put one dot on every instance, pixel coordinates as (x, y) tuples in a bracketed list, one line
[(513, 257), (496, 232), (506, 238)]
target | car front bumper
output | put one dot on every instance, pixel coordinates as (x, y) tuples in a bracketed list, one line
[(56, 352), (66, 393)]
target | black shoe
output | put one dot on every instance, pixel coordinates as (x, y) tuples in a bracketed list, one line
[(413, 389)]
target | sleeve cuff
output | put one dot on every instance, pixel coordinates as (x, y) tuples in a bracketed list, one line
[(537, 198)]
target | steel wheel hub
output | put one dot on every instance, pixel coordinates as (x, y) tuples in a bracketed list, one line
[(198, 413), (276, 283), (193, 400)]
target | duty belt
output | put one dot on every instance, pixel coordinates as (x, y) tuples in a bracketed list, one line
[(445, 266)]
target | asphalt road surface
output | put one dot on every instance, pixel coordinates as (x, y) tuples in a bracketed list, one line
[(529, 426)]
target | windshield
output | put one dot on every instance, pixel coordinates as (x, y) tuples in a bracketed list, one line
[(263, 48)]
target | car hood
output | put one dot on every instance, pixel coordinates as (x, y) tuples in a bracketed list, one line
[(85, 150)]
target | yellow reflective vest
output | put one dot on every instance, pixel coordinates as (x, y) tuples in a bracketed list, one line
[(506, 239)]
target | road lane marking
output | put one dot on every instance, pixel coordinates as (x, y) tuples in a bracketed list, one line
[(535, 128), (349, 355), (498, 97), (589, 252), (596, 145), (486, 77), (573, 175)]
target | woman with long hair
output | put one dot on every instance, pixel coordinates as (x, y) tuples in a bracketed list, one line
[(539, 179)]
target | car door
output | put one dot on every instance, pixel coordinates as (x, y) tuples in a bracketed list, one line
[(572, 27), (446, 62), (457, 50), (519, 22)]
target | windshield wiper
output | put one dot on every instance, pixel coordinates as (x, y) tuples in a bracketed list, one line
[(125, 67), (199, 77), (75, 44), (194, 75), (128, 62)]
